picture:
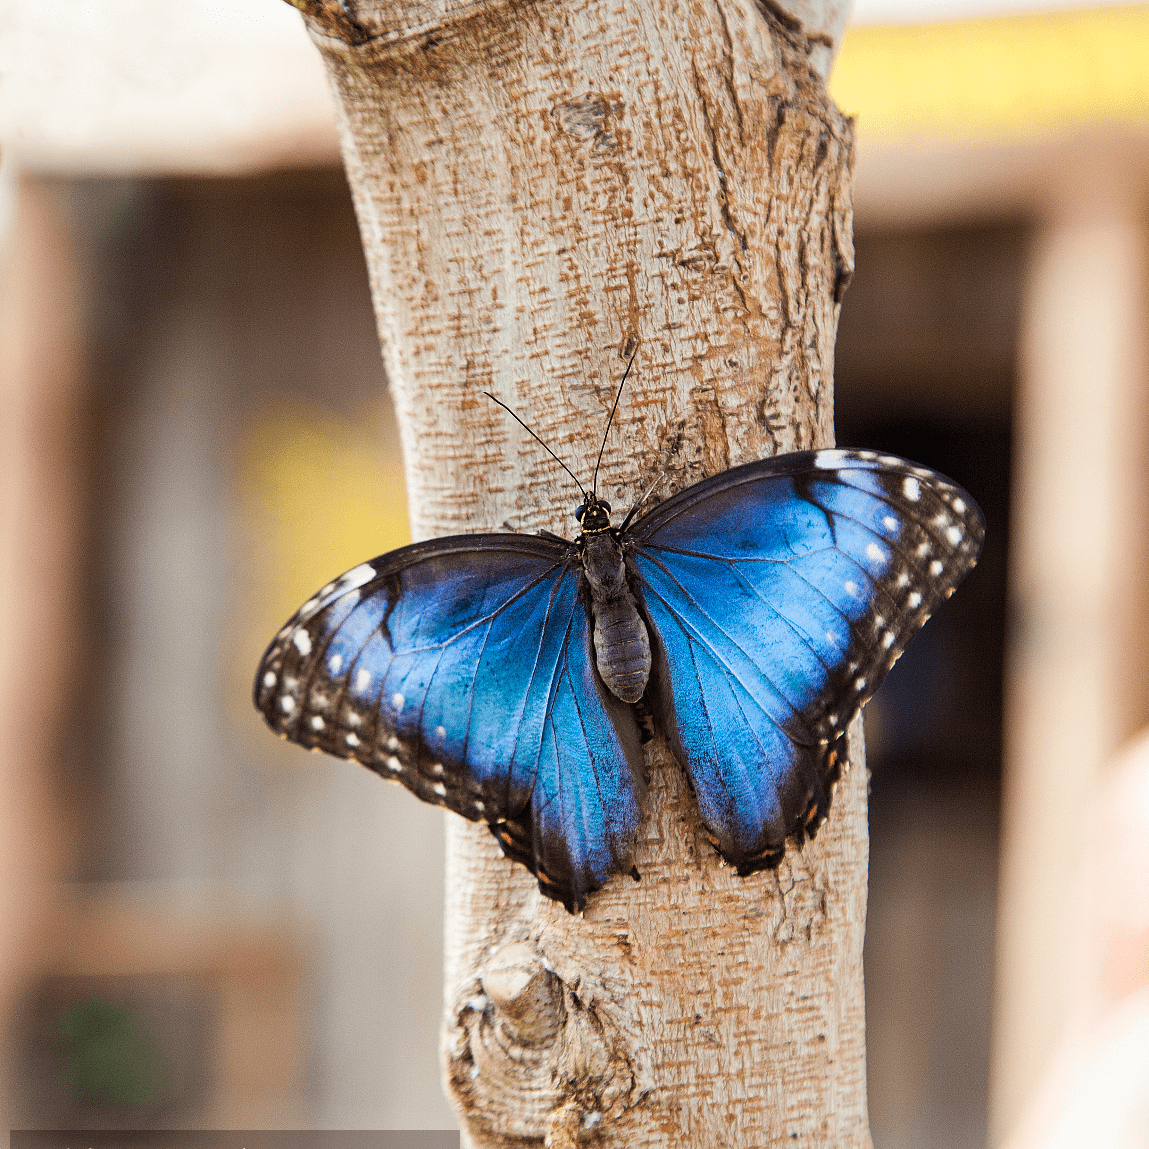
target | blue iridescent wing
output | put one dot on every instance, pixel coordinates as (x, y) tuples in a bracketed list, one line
[(463, 668), (780, 593)]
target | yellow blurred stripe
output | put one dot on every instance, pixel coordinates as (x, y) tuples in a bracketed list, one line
[(996, 78), (321, 498)]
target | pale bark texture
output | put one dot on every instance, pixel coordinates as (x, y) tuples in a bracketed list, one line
[(543, 187)]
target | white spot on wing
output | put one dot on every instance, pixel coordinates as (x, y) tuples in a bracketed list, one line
[(356, 577), (851, 588), (269, 679), (302, 641), (936, 568), (959, 506), (440, 789), (954, 535), (362, 679), (393, 763), (890, 523), (875, 552), (352, 739), (912, 489), (317, 723), (829, 460), (914, 600), (287, 704), (397, 700), (335, 663)]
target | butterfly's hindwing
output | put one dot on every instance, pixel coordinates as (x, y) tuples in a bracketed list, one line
[(587, 797), (462, 668), (781, 593)]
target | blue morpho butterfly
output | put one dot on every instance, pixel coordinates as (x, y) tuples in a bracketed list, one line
[(750, 616)]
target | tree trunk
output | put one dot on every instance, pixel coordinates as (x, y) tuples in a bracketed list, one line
[(541, 188)]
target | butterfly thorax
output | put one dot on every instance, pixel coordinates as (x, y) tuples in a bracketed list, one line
[(593, 515), (621, 644)]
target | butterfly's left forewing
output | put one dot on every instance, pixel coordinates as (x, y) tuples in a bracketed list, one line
[(780, 593), (462, 668)]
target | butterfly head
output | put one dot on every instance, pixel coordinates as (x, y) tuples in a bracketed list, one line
[(593, 515)]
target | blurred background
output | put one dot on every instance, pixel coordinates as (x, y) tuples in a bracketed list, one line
[(204, 926)]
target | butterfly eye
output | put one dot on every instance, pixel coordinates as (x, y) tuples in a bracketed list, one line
[(580, 511), (605, 505)]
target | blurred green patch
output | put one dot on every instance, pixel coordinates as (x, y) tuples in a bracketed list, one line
[(111, 1059)]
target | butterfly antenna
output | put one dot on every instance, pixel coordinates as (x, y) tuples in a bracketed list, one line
[(594, 479), (539, 441), (638, 506)]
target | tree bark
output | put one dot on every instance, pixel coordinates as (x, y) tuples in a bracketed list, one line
[(541, 188)]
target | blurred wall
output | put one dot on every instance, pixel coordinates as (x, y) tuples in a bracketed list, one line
[(926, 368), (236, 452)]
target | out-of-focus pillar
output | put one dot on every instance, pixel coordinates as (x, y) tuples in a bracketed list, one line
[(39, 374), (1075, 676)]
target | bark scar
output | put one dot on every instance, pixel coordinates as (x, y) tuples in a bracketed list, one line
[(715, 152), (728, 71)]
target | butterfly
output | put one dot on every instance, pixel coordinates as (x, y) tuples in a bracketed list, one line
[(505, 676)]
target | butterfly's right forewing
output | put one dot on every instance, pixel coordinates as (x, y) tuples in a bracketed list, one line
[(462, 668)]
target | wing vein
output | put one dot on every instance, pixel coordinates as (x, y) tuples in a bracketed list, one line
[(725, 634)]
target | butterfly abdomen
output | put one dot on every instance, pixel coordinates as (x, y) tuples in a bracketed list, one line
[(622, 648), (621, 644)]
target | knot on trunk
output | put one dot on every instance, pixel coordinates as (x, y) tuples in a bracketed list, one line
[(528, 1059)]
